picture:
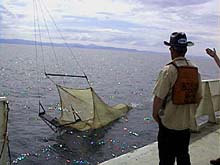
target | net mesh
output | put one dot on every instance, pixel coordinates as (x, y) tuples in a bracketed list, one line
[(85, 105)]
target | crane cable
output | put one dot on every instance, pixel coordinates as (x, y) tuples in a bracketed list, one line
[(43, 6)]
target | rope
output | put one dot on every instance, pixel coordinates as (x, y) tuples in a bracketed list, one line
[(48, 33), (41, 107), (36, 50), (40, 7), (49, 125), (9, 153), (67, 45)]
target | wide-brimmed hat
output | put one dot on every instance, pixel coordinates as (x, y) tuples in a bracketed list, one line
[(178, 39)]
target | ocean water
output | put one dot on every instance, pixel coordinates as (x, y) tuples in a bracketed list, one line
[(116, 76)]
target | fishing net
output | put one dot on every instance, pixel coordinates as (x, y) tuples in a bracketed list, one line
[(83, 109)]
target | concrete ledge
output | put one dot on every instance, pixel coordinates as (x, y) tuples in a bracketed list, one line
[(204, 147), (145, 155)]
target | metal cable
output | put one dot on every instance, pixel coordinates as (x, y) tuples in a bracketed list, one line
[(48, 32), (67, 45), (36, 50)]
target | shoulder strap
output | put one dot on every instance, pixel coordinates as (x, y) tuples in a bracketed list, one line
[(172, 63), (187, 62)]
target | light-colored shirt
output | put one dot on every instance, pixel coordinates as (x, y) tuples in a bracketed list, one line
[(177, 117)]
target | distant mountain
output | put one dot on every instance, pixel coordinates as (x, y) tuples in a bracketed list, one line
[(91, 46), (16, 41), (29, 42)]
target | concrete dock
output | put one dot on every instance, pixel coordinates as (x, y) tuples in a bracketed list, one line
[(204, 146)]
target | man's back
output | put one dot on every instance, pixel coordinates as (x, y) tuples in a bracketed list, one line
[(174, 116)]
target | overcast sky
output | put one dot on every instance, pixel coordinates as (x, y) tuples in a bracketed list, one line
[(138, 24)]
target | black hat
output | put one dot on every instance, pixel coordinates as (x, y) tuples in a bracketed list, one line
[(178, 39)]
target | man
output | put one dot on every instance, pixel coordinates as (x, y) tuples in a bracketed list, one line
[(177, 94), (213, 54)]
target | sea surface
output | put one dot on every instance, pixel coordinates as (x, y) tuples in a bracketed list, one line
[(116, 76)]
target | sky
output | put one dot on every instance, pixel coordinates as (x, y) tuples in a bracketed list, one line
[(133, 24)]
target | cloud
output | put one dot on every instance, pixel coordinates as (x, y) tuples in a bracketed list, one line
[(173, 3), (5, 12), (94, 22), (139, 24)]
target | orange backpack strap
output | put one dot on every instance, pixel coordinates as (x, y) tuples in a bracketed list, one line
[(186, 85)]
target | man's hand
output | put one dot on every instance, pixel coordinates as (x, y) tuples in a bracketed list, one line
[(156, 117), (211, 52), (157, 104)]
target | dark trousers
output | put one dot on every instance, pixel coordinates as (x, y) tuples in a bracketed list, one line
[(173, 144)]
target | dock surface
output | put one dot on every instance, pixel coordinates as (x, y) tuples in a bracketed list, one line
[(204, 146)]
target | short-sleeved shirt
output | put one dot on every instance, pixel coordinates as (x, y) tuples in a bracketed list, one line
[(177, 117)]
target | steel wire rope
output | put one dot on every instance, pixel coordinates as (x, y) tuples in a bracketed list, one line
[(38, 72), (36, 24), (48, 33), (40, 37), (41, 43), (36, 53), (37, 4), (66, 44)]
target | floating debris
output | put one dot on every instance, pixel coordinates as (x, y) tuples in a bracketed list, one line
[(135, 147), (47, 149), (112, 97), (97, 143), (58, 107), (80, 162), (134, 105), (147, 118), (84, 136), (101, 142), (113, 155), (112, 141), (133, 133), (21, 157), (124, 118)]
